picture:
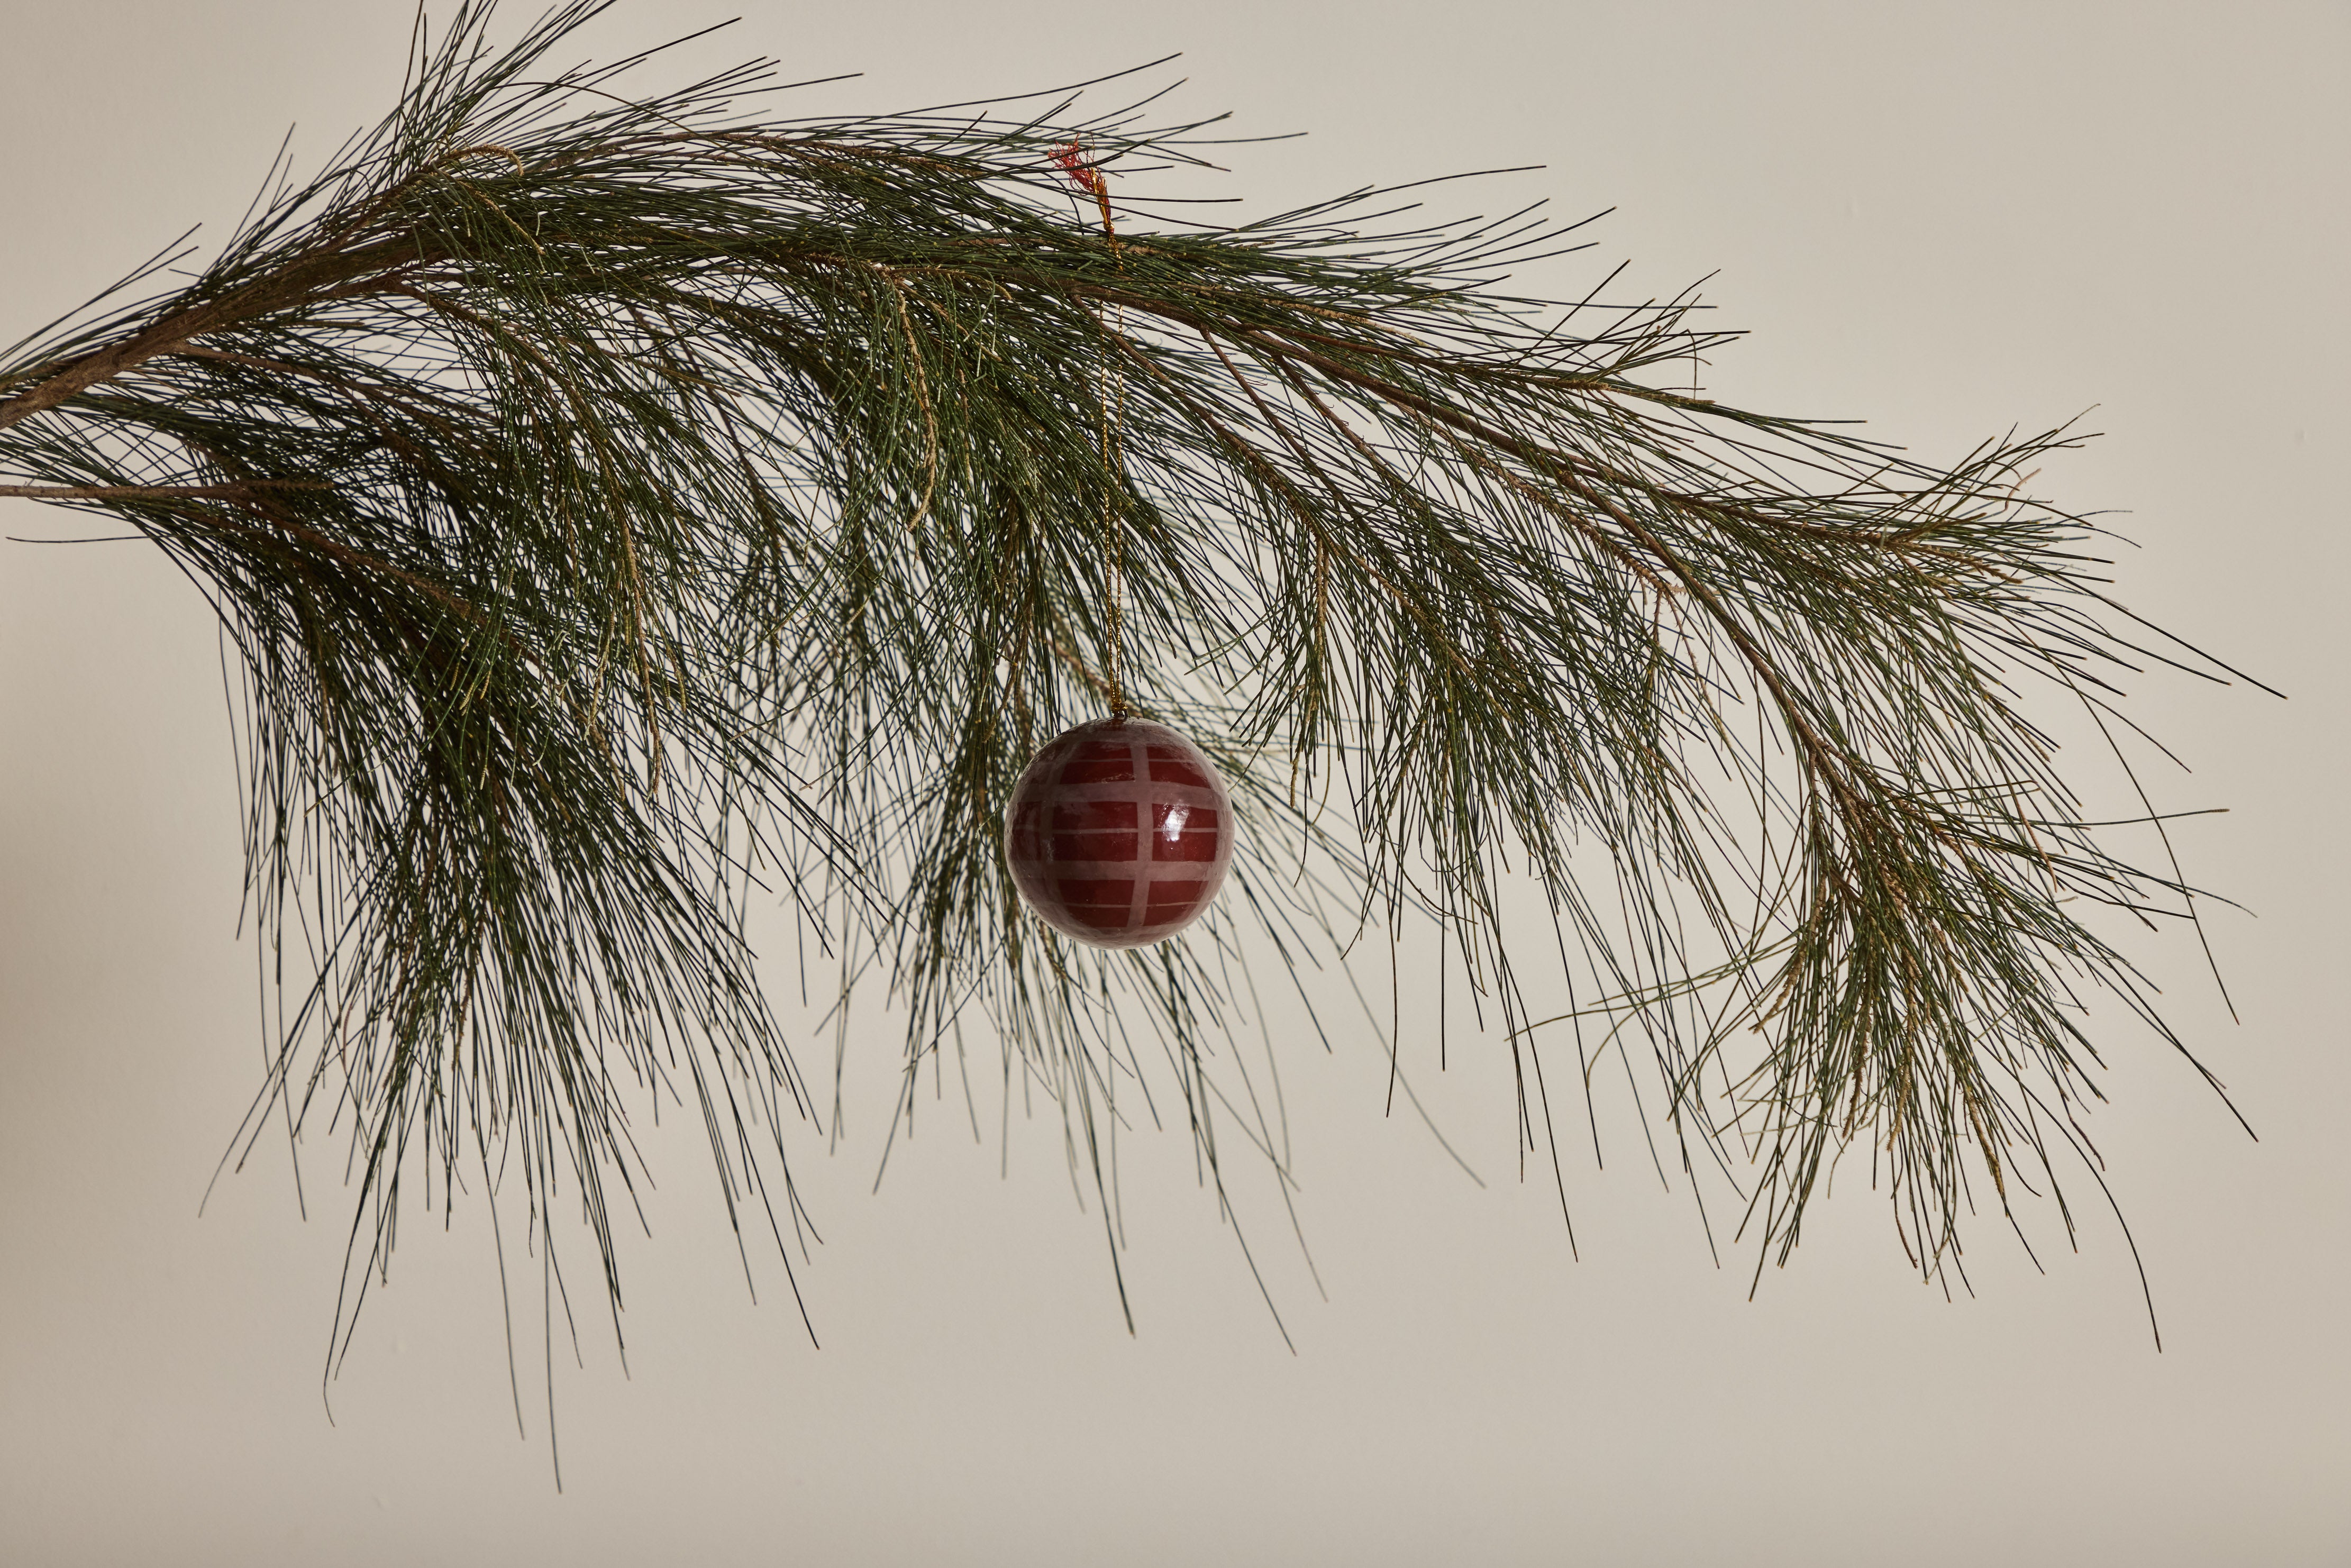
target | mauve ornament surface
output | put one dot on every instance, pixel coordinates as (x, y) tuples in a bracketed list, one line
[(1119, 832)]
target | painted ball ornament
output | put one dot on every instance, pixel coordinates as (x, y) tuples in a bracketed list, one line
[(1119, 832)]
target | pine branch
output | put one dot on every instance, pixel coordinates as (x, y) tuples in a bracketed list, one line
[(622, 505)]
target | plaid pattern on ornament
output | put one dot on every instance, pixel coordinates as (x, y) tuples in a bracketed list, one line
[(1119, 832)]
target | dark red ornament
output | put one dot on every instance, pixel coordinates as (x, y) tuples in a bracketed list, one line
[(1119, 832)]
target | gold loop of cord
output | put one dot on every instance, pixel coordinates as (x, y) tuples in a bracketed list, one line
[(1114, 536), (1110, 393)]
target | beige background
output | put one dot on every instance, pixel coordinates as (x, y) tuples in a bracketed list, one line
[(1945, 219)]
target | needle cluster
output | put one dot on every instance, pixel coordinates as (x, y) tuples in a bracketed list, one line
[(622, 508)]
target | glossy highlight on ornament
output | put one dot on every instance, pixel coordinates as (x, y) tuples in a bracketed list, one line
[(1119, 832)]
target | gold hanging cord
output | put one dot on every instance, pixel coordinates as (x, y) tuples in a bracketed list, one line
[(1111, 388)]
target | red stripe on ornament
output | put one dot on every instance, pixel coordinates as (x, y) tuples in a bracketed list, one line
[(1180, 831), (1095, 830), (1027, 844), (1170, 765), (1173, 899), (1100, 762), (1101, 903)]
